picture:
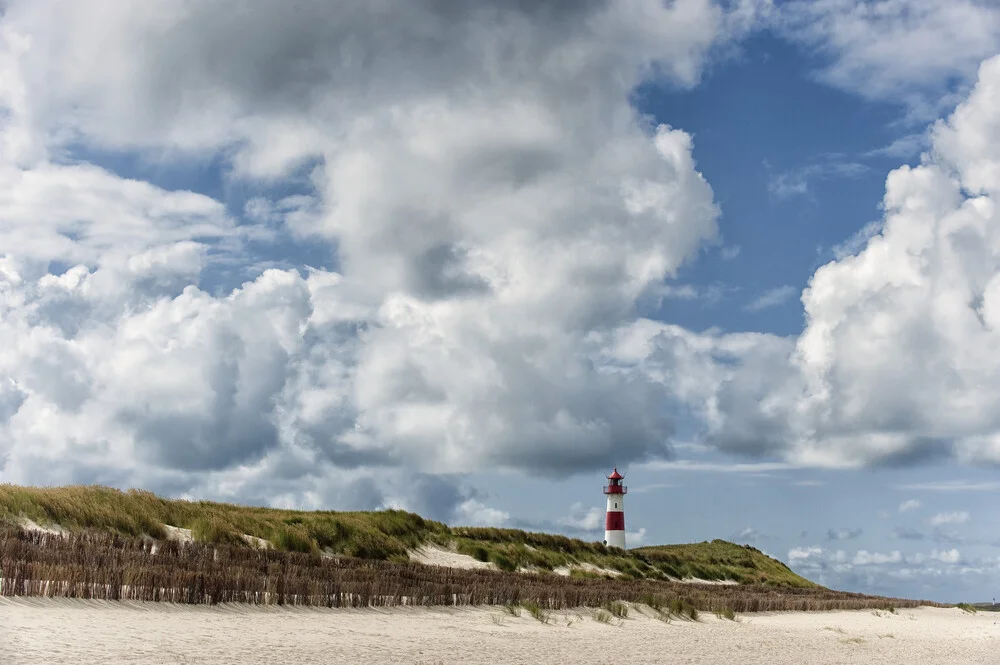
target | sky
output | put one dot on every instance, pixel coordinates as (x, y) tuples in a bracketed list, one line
[(466, 258)]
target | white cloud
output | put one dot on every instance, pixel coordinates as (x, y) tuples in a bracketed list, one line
[(493, 215), (475, 513), (905, 146), (940, 519), (730, 252), (909, 504), (787, 185), (585, 519), (496, 220), (907, 51), (865, 558), (947, 556), (858, 240), (895, 363), (796, 182), (635, 539), (773, 298), (802, 553)]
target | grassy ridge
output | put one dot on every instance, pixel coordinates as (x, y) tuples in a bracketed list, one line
[(380, 535), (387, 535), (721, 560)]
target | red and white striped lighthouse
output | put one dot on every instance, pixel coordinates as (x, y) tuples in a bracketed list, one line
[(614, 521)]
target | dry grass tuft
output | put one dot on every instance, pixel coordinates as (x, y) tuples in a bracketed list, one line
[(536, 611), (602, 616), (725, 613)]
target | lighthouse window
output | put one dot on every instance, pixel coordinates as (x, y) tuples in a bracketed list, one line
[(616, 504)]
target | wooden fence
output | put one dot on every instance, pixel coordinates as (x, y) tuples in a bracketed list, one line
[(112, 567)]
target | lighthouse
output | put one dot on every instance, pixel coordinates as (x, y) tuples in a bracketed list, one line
[(614, 521)]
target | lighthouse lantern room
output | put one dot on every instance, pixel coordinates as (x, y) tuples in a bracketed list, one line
[(614, 521)]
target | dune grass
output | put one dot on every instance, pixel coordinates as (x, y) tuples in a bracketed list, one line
[(381, 535), (386, 535), (720, 560)]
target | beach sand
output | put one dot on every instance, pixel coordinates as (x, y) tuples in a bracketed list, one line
[(79, 632)]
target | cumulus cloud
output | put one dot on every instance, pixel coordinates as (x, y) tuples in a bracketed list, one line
[(476, 513), (635, 539), (909, 504), (960, 517), (496, 207), (866, 558), (948, 556), (894, 365), (803, 553), (584, 519)]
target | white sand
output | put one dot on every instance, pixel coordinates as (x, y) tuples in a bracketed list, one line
[(587, 567), (432, 555), (30, 525), (81, 632), (178, 534)]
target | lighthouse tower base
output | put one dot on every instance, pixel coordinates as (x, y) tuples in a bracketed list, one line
[(614, 539)]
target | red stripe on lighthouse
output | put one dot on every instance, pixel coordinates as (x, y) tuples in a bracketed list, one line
[(614, 521)]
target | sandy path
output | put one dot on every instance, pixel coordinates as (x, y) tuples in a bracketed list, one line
[(81, 632)]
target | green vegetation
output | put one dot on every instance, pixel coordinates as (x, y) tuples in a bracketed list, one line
[(984, 607), (378, 535), (720, 560), (536, 611), (512, 609), (386, 535), (618, 609), (966, 607), (602, 616), (725, 613)]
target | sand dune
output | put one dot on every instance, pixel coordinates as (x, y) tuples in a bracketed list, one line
[(81, 632)]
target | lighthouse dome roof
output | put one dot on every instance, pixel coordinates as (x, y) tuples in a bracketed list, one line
[(615, 475)]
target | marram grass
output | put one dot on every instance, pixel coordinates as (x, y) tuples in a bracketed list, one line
[(114, 547), (381, 535), (109, 566)]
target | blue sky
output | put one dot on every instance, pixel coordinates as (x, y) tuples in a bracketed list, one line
[(788, 159), (465, 260)]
